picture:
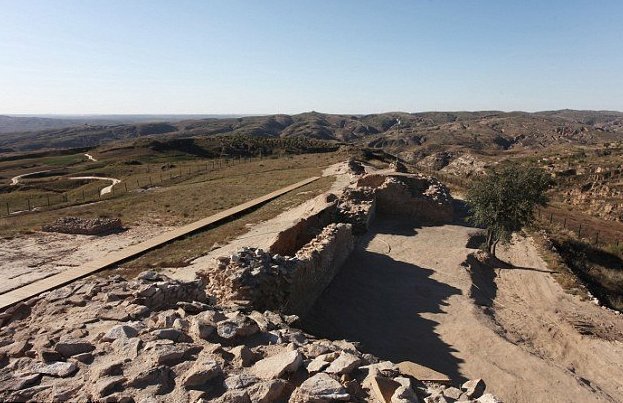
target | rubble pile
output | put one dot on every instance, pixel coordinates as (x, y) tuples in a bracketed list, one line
[(104, 340), (84, 226)]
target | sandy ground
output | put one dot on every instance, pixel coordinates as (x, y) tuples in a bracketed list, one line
[(28, 258), (405, 295)]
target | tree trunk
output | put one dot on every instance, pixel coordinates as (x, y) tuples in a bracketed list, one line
[(490, 242), (494, 246)]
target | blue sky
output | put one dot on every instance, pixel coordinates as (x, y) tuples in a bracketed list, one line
[(339, 56)]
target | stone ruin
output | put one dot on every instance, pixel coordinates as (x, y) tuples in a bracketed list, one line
[(303, 258), (229, 335), (85, 226)]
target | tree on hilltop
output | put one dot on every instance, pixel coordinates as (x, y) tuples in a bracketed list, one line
[(504, 201)]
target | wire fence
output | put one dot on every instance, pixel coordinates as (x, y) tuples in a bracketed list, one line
[(136, 182)]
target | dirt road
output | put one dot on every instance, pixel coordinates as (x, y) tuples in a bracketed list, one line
[(15, 180), (104, 190), (405, 294)]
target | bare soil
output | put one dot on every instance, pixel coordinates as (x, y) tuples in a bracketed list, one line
[(407, 294)]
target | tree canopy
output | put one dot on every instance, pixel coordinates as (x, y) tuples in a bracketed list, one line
[(504, 200)]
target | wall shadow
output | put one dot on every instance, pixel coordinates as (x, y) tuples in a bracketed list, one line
[(378, 301)]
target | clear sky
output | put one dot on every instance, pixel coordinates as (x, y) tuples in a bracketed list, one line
[(289, 56)]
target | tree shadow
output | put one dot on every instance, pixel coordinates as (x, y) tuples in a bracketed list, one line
[(483, 289), (378, 302)]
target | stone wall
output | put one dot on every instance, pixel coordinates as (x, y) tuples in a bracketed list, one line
[(85, 226), (255, 279), (292, 239), (422, 199), (316, 264), (305, 257)]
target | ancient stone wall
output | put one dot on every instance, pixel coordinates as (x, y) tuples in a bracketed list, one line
[(316, 264), (85, 226), (292, 239), (305, 257), (422, 199), (255, 279)]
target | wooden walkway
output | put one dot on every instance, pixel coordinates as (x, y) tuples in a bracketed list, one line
[(67, 276)]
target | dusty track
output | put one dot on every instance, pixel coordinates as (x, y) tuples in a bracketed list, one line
[(405, 295)]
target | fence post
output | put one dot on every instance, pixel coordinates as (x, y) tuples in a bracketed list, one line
[(580, 231), (597, 239), (125, 185), (8, 211), (564, 224), (551, 217)]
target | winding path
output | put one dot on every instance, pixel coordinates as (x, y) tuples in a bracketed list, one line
[(15, 179), (105, 190), (90, 157)]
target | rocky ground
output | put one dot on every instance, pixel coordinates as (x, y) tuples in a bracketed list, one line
[(155, 339)]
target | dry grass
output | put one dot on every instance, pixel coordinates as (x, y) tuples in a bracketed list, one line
[(181, 252), (197, 196), (582, 266)]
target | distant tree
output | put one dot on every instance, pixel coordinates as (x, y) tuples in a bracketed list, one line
[(504, 200)]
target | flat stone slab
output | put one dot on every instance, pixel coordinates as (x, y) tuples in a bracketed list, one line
[(422, 373)]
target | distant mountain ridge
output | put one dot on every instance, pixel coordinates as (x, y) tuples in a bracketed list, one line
[(30, 123), (397, 131)]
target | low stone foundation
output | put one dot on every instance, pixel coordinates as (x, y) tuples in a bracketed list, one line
[(305, 257), (316, 264), (85, 226), (255, 279)]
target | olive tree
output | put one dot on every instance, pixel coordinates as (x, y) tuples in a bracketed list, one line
[(504, 200)]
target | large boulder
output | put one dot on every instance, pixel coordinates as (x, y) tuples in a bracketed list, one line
[(275, 366), (320, 388)]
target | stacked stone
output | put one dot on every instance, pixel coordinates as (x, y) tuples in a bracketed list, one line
[(95, 340), (356, 206), (252, 278), (84, 226), (437, 192)]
